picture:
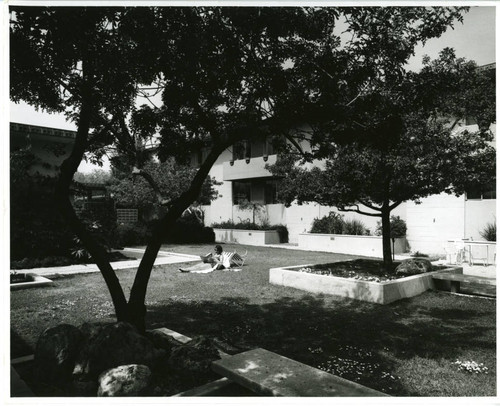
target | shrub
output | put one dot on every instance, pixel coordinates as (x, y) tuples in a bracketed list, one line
[(331, 224), (355, 227), (248, 225), (37, 228), (489, 232), (282, 232), (100, 219), (131, 234), (398, 227)]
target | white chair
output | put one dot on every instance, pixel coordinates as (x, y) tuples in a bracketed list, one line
[(477, 253), (233, 259), (455, 252)]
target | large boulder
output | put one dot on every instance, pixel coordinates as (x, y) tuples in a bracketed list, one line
[(55, 354), (125, 380), (113, 345), (414, 266), (193, 360)]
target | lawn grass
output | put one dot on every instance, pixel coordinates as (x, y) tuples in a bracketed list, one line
[(407, 348)]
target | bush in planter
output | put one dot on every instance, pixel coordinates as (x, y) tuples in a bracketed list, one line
[(331, 224), (282, 232), (354, 227), (334, 223), (489, 232)]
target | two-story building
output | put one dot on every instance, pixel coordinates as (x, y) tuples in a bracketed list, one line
[(431, 224)]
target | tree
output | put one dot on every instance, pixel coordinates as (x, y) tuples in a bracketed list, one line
[(168, 179), (407, 148), (95, 176), (215, 69), (224, 75)]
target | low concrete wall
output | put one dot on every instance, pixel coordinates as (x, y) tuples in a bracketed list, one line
[(375, 292), (36, 282), (365, 245), (249, 237)]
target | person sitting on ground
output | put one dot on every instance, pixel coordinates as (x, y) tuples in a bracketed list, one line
[(215, 259)]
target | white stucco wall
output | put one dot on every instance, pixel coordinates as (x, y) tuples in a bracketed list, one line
[(221, 208), (477, 214), (437, 219)]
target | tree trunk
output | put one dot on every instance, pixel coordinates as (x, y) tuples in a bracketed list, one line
[(136, 304), (67, 171), (386, 237)]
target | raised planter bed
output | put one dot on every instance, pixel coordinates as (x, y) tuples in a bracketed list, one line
[(28, 280), (366, 245), (375, 292), (248, 237)]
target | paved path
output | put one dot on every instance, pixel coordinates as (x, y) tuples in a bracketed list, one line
[(164, 257)]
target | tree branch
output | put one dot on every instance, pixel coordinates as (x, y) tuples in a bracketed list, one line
[(357, 210), (394, 205), (159, 197), (369, 205)]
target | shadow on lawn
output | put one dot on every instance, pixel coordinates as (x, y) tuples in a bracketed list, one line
[(18, 346), (353, 339)]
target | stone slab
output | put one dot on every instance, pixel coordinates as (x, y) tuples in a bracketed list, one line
[(174, 334), (206, 389), (18, 387), (465, 278), (270, 374), (22, 360)]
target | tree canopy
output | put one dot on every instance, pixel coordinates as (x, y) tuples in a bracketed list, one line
[(224, 74), (409, 147)]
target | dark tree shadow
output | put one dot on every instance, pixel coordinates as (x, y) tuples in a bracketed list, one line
[(18, 347), (317, 331)]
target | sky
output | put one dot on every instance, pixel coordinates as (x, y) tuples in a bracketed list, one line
[(474, 39)]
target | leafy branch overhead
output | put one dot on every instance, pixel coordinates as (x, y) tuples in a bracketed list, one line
[(211, 77)]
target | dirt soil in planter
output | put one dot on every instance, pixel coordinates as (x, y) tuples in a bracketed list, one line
[(361, 269)]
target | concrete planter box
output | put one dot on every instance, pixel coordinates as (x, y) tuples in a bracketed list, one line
[(35, 281), (375, 292), (248, 237), (366, 245)]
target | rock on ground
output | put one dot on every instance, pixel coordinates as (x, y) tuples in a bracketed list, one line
[(55, 354), (193, 360), (414, 266), (162, 340), (125, 380), (111, 346)]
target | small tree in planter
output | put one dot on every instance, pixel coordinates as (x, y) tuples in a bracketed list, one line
[(255, 207), (392, 143)]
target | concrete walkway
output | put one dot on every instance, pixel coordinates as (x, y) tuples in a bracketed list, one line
[(164, 257)]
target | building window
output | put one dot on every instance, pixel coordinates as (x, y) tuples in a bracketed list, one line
[(242, 150), (241, 191), (487, 192), (271, 191)]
